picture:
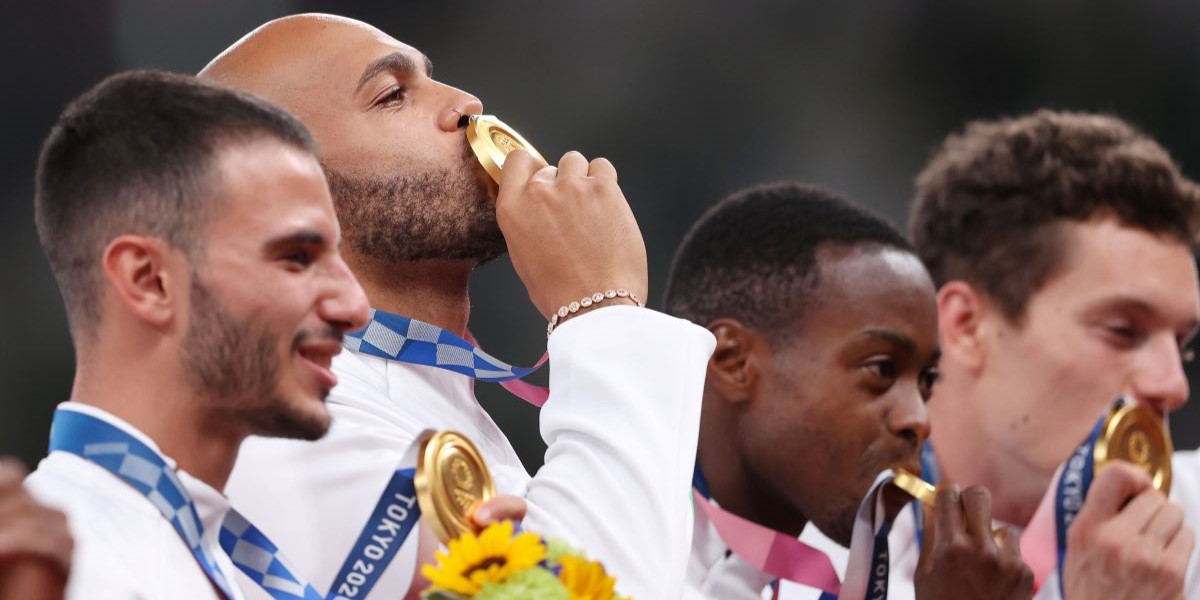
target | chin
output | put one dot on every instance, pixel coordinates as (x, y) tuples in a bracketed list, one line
[(304, 418)]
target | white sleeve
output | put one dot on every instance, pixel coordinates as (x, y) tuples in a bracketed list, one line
[(1185, 490), (621, 427)]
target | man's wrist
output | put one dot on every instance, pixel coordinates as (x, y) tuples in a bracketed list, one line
[(589, 303)]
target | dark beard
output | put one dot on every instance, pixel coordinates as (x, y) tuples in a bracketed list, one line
[(236, 363), (433, 215)]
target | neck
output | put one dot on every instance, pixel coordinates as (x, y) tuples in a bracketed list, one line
[(180, 423), (433, 291), (967, 456), (735, 487)]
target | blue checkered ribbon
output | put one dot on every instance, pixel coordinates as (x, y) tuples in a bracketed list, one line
[(143, 469), (260, 559), (395, 515), (403, 339)]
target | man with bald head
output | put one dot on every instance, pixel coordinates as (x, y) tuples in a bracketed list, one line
[(418, 214)]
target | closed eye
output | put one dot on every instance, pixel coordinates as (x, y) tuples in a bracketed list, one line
[(301, 258), (394, 96), (1123, 336)]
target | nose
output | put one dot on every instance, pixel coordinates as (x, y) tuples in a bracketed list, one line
[(1159, 380), (345, 306), (909, 419), (458, 104)]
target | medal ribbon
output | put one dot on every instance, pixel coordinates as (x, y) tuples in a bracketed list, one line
[(403, 339), (1074, 480), (785, 557), (144, 469), (932, 474), (870, 562), (141, 467), (395, 516)]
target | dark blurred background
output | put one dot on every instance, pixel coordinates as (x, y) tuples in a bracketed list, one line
[(691, 100)]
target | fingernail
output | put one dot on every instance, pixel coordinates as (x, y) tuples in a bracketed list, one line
[(952, 492), (483, 515)]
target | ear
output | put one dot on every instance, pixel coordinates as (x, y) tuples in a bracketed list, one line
[(736, 364), (136, 269), (962, 312)]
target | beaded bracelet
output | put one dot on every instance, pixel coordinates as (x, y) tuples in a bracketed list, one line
[(587, 301)]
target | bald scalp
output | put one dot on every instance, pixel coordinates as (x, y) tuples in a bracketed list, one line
[(277, 60)]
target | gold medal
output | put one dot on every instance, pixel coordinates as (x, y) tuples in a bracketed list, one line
[(1135, 434), (491, 141), (915, 486), (452, 481)]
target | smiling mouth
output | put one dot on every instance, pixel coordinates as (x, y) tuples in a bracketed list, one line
[(318, 356), (321, 359)]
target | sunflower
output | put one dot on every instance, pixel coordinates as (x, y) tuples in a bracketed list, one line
[(489, 557), (586, 580)]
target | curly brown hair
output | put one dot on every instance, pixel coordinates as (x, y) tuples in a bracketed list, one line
[(989, 205)]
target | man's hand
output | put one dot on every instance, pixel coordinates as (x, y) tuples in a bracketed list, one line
[(35, 543), (1128, 541), (569, 230), (961, 557), (499, 508)]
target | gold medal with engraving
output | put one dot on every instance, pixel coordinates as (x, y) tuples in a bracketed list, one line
[(491, 141), (915, 486), (452, 481), (1135, 434)]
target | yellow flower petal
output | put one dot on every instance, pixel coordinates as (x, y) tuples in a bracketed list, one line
[(585, 580), (490, 557)]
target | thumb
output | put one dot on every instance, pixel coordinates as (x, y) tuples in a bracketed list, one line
[(499, 508), (1115, 484)]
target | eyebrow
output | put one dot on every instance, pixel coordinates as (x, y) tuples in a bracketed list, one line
[(305, 238), (396, 62), (891, 336), (901, 340)]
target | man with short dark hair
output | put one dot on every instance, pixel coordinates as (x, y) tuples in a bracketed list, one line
[(193, 238), (420, 214), (1062, 247), (826, 334)]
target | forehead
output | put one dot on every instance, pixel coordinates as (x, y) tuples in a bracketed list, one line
[(345, 53), (871, 287), (1106, 261), (267, 188)]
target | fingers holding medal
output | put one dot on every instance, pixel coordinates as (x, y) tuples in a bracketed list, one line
[(569, 229)]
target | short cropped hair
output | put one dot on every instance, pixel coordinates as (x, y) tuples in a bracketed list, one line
[(989, 204), (137, 154), (752, 257)]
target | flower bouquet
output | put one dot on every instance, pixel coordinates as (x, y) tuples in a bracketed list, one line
[(498, 564)]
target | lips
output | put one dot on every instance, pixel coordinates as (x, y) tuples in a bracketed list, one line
[(318, 357)]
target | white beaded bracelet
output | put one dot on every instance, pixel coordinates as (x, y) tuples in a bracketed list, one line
[(587, 301)]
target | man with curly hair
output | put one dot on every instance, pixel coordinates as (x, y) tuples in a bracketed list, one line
[(1061, 245)]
